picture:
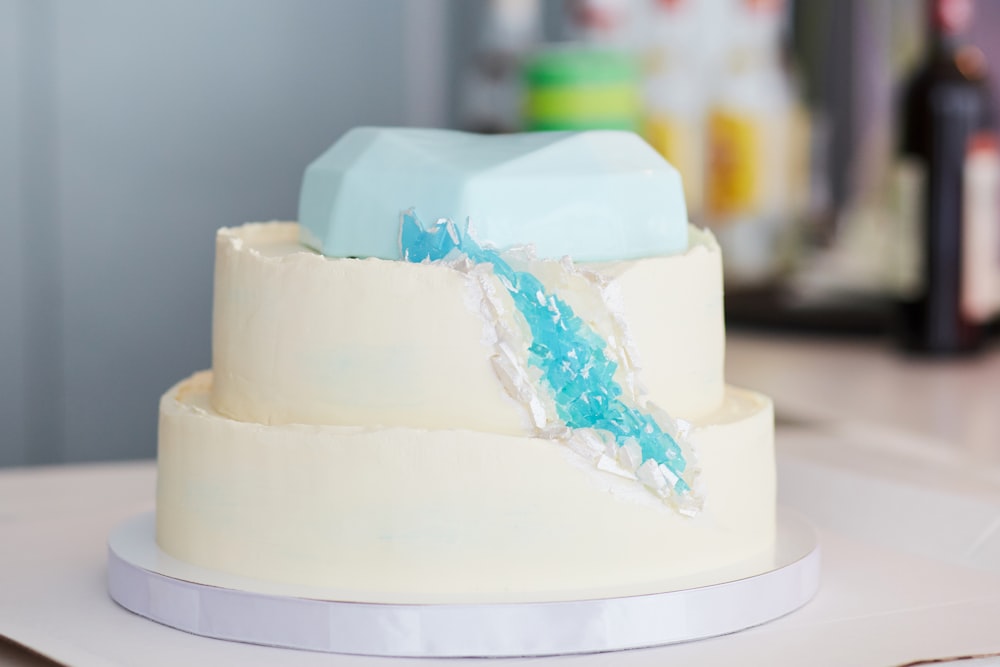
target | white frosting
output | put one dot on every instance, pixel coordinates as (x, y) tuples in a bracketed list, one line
[(372, 427), (301, 338), (414, 514)]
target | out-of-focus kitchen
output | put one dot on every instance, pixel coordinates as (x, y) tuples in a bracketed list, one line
[(844, 154)]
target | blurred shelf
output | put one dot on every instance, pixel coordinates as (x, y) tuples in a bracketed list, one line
[(775, 308), (778, 309)]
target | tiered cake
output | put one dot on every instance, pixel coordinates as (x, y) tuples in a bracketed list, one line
[(418, 411)]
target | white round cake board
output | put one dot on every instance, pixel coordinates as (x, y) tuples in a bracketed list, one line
[(150, 583)]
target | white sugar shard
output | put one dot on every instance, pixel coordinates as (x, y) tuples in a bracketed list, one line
[(669, 475), (587, 443), (608, 464), (630, 455), (649, 473)]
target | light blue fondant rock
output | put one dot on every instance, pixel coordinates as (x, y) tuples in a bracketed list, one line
[(597, 195)]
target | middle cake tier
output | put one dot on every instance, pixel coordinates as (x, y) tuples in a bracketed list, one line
[(302, 338)]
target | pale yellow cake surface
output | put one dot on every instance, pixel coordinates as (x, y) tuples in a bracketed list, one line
[(356, 433)]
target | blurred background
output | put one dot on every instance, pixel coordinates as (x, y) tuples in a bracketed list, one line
[(130, 131)]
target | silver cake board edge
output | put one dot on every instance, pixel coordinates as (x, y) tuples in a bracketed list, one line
[(139, 580)]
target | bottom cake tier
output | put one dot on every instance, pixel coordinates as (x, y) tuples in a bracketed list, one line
[(420, 515)]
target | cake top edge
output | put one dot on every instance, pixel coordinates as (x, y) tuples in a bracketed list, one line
[(279, 240)]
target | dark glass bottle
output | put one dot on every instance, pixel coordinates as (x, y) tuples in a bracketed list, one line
[(948, 138)]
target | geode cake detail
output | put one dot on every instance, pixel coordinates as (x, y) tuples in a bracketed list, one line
[(401, 432), (612, 427)]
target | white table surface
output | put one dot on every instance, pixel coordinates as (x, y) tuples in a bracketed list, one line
[(897, 463)]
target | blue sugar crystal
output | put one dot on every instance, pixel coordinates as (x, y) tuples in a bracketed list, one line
[(570, 355)]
